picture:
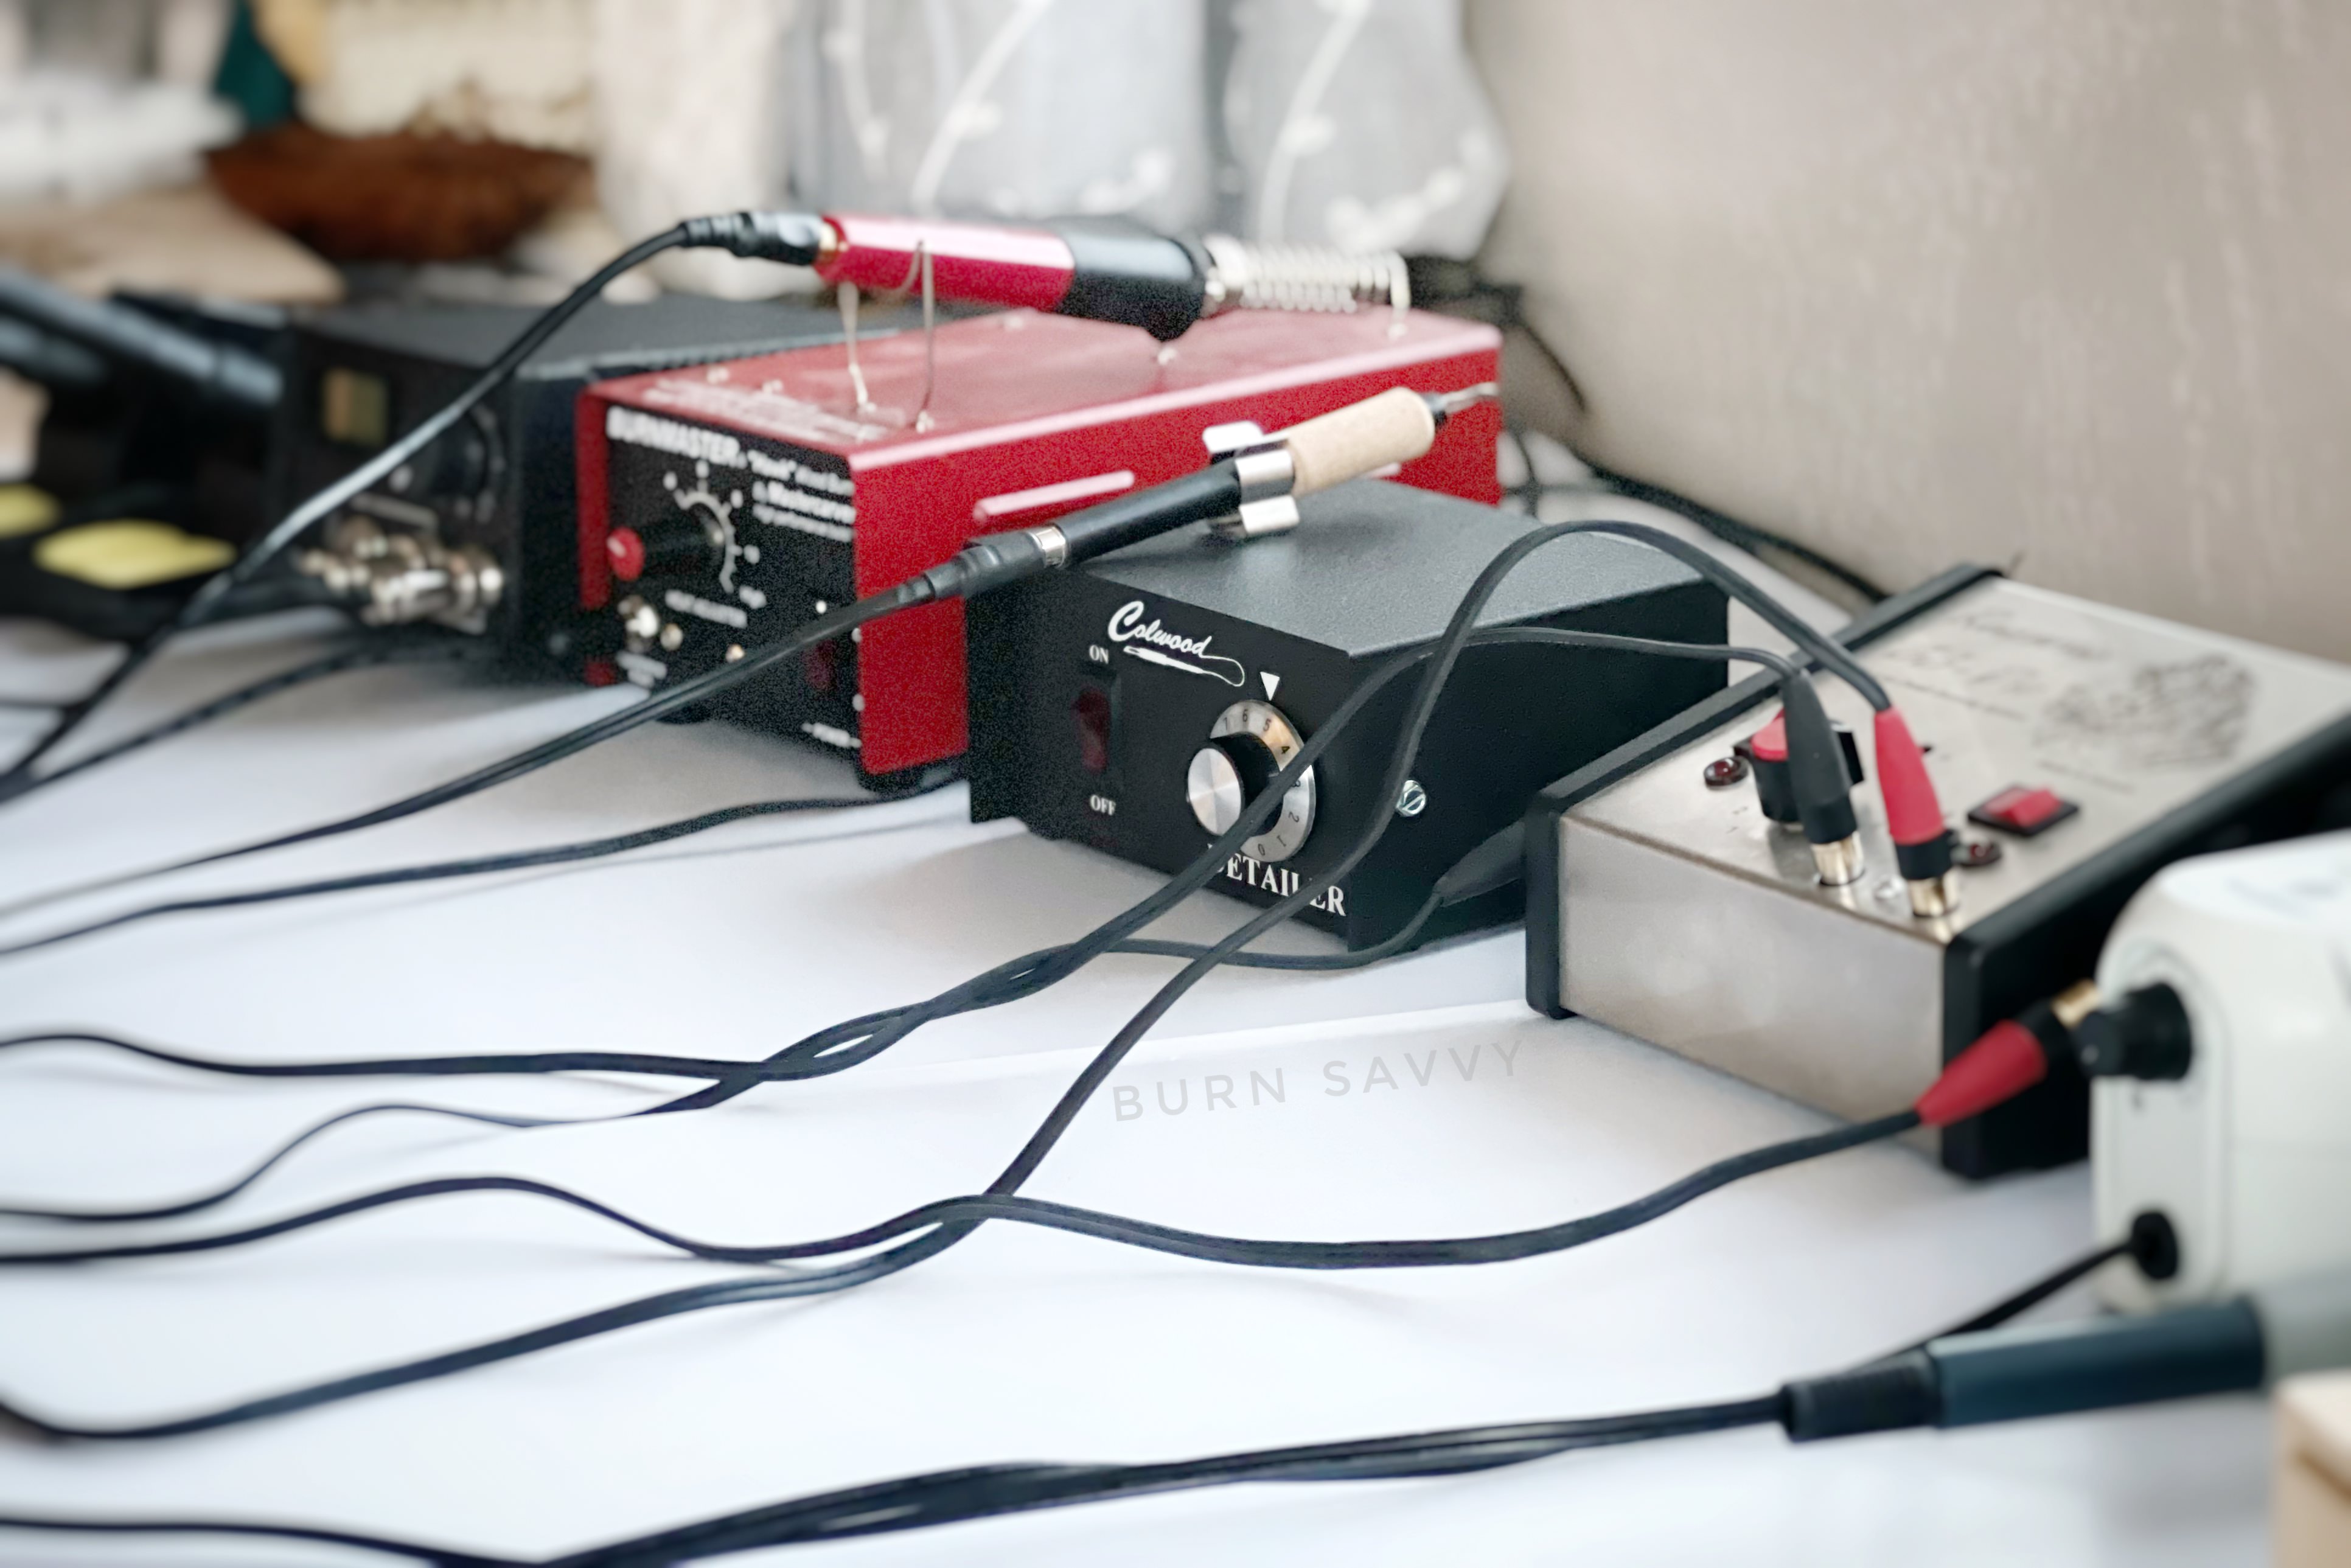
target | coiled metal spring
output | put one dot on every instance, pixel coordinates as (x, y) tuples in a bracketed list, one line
[(1246, 276)]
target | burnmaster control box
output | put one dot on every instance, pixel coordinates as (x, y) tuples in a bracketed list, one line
[(721, 507)]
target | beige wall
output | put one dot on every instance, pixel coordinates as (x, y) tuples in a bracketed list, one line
[(2066, 282)]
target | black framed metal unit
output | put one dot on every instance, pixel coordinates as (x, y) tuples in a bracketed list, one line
[(1134, 703), (2089, 748)]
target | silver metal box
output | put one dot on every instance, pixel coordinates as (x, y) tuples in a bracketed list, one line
[(1677, 911)]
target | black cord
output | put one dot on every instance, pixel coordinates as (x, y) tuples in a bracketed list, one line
[(201, 605), (781, 1284), (433, 1556), (814, 1055), (1011, 982), (1819, 646), (970, 1212), (1510, 313), (478, 865), (822, 629), (2134, 1246), (614, 1063), (958, 1496), (179, 1208), (1745, 536), (972, 1492), (369, 656)]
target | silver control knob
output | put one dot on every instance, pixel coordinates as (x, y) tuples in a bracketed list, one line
[(1249, 743)]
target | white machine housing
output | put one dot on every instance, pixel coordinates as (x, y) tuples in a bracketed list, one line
[(2249, 1155)]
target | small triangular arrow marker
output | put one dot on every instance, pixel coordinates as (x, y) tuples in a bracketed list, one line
[(1272, 683)]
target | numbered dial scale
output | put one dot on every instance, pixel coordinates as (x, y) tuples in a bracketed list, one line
[(1249, 742)]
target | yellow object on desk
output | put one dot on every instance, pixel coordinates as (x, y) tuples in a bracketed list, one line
[(25, 509), (2312, 1504), (130, 552)]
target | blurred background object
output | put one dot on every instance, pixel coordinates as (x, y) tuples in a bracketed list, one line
[(2056, 287), (692, 117), (1006, 109), (399, 197), (1359, 124), (221, 167), (433, 132), (474, 70), (107, 95)]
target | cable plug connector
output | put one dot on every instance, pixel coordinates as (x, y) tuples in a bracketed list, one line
[(996, 560), (1914, 818), (2145, 1034), (795, 239), (2008, 1059), (1800, 776), (1444, 405)]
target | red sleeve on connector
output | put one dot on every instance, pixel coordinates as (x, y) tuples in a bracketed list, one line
[(1769, 744), (2004, 1062), (1913, 814)]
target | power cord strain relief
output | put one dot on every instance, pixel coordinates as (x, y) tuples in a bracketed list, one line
[(1493, 864), (982, 565), (1914, 816), (2004, 1062), (792, 238), (1884, 1396), (1816, 770)]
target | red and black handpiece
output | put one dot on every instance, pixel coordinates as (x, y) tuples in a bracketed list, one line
[(1103, 270)]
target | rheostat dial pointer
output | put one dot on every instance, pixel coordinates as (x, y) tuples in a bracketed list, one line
[(1249, 743)]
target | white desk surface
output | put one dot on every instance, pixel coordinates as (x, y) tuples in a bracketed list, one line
[(1016, 1345)]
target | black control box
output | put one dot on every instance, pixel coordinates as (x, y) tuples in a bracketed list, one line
[(1134, 703), (504, 483)]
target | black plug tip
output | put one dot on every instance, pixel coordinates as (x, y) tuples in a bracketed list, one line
[(2155, 1245), (793, 238), (2146, 1035)]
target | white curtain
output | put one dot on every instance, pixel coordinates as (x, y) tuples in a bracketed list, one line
[(1355, 124)]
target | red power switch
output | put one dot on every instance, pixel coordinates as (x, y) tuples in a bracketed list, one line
[(2024, 810), (1090, 713)]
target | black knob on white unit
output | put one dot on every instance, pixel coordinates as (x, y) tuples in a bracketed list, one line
[(1249, 743)]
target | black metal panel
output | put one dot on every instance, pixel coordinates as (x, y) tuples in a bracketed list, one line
[(1299, 621)]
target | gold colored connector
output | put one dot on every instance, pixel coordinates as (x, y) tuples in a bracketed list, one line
[(1839, 864), (2076, 1002), (1932, 897)]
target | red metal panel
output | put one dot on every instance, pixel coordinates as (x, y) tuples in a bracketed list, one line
[(969, 261), (1021, 402)]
